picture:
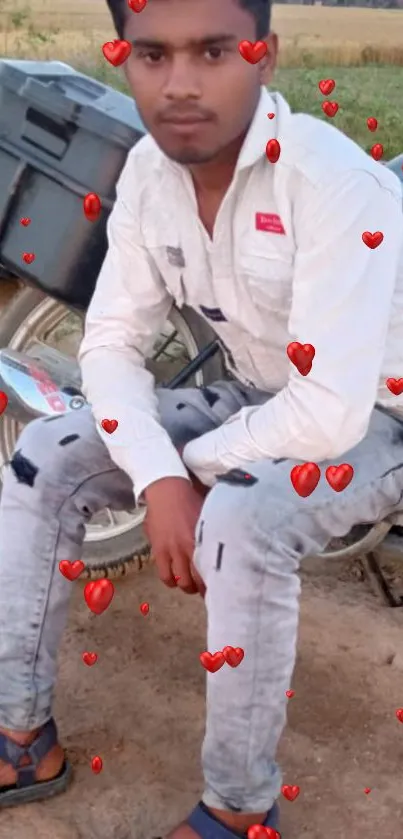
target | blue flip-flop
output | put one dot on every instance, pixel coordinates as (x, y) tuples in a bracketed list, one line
[(27, 788), (208, 827)]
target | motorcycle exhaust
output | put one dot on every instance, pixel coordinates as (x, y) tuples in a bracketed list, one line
[(42, 385)]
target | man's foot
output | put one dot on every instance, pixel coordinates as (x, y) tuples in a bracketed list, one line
[(237, 823), (47, 769)]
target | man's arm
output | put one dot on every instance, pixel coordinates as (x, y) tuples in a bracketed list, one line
[(128, 309), (342, 296)]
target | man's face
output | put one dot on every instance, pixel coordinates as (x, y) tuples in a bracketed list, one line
[(195, 93)]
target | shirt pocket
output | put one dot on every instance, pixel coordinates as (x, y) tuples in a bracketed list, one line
[(268, 282), (171, 274)]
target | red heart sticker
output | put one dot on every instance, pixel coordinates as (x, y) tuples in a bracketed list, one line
[(271, 115), (258, 831), (233, 655), (116, 52), (377, 151), (301, 355), (3, 402), (290, 693), (28, 258), (145, 608), (290, 792), (339, 477), (71, 570), (399, 714), (25, 221), (253, 53), (98, 595), (372, 240), (367, 790), (273, 150), (372, 123), (326, 86), (89, 658), (92, 206), (330, 108), (394, 385), (96, 764), (137, 5), (109, 425), (212, 662), (305, 478)]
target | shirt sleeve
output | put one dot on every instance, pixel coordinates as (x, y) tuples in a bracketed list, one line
[(128, 309), (342, 298)]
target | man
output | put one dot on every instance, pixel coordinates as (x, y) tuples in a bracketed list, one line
[(269, 253)]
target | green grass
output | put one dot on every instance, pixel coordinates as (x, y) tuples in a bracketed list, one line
[(360, 91)]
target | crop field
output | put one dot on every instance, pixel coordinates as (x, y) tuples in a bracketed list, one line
[(362, 49)]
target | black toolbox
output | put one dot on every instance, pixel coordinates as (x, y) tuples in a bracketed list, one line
[(62, 136)]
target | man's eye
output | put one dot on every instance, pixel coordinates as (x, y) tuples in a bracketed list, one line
[(214, 53), (151, 56)]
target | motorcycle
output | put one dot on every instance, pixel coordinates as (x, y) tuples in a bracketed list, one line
[(40, 330)]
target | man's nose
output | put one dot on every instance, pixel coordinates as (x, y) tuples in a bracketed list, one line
[(182, 80)]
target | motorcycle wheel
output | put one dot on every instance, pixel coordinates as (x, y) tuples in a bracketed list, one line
[(121, 547)]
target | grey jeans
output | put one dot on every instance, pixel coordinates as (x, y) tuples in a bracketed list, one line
[(250, 541)]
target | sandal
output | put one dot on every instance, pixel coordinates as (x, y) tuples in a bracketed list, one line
[(208, 827), (27, 789)]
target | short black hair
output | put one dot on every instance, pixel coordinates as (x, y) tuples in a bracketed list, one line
[(259, 9)]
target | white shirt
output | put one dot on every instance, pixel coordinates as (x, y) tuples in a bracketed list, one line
[(286, 263)]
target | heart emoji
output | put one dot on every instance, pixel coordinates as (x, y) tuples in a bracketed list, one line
[(339, 477), (92, 206), (372, 240), (271, 115), (377, 151), (212, 662), (399, 714), (258, 831), (372, 123), (233, 655), (326, 86), (98, 595), (253, 53), (96, 764), (176, 579), (394, 385), (367, 790), (290, 693), (273, 150), (25, 221), (290, 792), (28, 258), (145, 608), (137, 5), (116, 52), (109, 425), (301, 355), (3, 402), (305, 478), (89, 658), (330, 108), (71, 570)]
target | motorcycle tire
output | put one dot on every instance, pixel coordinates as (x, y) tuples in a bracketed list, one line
[(127, 552)]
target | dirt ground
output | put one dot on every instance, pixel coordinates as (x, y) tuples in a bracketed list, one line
[(141, 708)]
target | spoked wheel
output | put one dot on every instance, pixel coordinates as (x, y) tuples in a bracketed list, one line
[(114, 541)]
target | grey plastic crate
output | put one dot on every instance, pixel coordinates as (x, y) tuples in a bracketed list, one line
[(62, 135)]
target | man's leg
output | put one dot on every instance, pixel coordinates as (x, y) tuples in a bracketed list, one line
[(250, 542), (59, 476)]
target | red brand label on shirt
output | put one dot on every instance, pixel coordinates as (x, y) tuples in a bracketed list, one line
[(269, 222)]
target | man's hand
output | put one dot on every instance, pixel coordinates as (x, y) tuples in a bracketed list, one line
[(173, 509)]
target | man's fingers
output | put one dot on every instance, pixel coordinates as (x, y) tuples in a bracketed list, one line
[(164, 568), (181, 568)]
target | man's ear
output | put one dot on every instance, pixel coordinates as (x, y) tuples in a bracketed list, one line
[(268, 64)]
